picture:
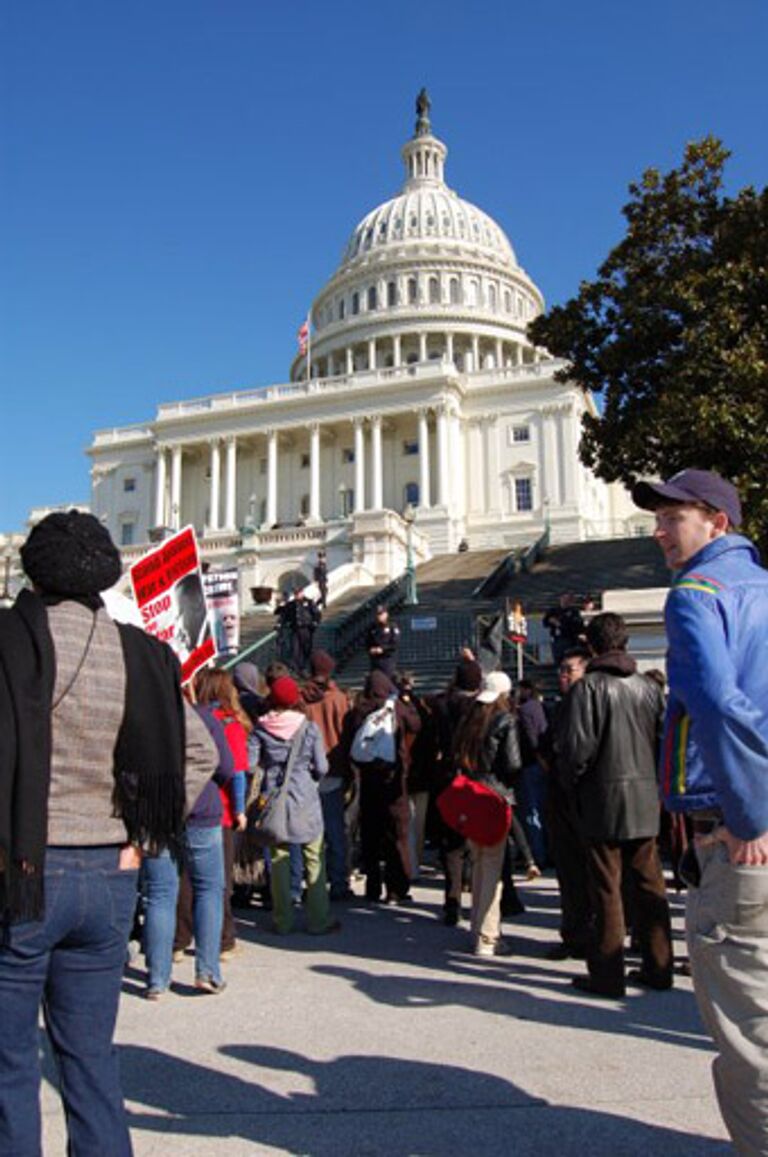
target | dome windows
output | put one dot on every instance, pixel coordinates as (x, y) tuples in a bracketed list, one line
[(355, 303), (413, 291), (454, 291), (434, 291), (391, 293), (373, 302)]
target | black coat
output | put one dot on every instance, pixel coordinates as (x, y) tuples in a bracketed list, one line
[(607, 735)]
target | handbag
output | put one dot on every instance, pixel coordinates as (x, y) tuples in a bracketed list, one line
[(375, 737), (267, 813), (475, 811)]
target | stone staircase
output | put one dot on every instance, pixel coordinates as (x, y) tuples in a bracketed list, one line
[(445, 617), (433, 631)]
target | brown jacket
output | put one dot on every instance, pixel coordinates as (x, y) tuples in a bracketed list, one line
[(328, 706)]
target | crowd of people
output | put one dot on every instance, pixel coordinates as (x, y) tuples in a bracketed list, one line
[(119, 793)]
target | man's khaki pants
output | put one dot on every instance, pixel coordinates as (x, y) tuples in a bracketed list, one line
[(727, 928)]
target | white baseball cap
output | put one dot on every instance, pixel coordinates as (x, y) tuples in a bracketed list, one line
[(494, 684)]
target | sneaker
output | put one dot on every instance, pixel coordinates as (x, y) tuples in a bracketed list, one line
[(500, 948), (228, 953), (155, 993), (209, 985), (178, 955)]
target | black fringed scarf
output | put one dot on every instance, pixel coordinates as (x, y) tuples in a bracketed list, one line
[(148, 758)]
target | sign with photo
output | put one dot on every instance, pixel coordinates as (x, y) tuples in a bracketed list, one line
[(221, 591), (168, 588)]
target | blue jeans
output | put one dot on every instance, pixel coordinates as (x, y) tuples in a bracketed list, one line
[(332, 803), (160, 888), (204, 861), (71, 962), (533, 797)]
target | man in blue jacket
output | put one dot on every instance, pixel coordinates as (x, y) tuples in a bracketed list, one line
[(715, 767)]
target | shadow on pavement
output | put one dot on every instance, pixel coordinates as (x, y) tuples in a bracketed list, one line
[(370, 1105)]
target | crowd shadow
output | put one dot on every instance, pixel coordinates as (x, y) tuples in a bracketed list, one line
[(372, 1105)]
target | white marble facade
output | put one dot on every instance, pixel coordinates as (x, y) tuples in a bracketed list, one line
[(422, 391)]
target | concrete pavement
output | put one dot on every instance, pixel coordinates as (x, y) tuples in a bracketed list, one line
[(390, 1039)]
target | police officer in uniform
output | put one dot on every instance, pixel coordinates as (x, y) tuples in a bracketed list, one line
[(382, 641)]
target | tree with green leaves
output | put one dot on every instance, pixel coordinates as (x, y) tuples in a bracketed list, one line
[(673, 332)]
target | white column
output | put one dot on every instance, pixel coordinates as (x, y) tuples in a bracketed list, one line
[(359, 465), (551, 467), (499, 353), (213, 513), (449, 347), (476, 353), (442, 456), (422, 347), (230, 497), (271, 477), (397, 350), (350, 360), (314, 472), (492, 469), (160, 487), (372, 354), (176, 487), (377, 479), (424, 496)]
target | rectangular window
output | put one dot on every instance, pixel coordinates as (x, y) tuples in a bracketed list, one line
[(127, 532), (129, 485), (521, 433), (305, 461), (262, 465), (347, 455), (523, 495), (410, 447)]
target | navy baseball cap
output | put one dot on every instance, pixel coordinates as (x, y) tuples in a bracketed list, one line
[(691, 486)]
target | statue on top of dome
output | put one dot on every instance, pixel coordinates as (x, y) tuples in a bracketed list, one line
[(423, 106)]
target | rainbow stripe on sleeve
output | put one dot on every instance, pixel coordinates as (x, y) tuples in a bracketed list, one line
[(675, 745), (699, 582)]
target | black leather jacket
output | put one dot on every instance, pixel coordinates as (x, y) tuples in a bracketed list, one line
[(500, 759), (608, 733)]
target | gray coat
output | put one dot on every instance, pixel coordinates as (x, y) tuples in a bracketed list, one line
[(608, 732), (305, 817)]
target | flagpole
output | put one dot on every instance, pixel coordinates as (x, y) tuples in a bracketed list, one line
[(309, 345)]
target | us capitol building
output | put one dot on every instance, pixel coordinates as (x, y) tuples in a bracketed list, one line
[(420, 409)]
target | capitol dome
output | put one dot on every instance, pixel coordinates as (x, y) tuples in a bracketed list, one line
[(424, 275)]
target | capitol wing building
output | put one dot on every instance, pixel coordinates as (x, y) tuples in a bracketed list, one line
[(419, 410)]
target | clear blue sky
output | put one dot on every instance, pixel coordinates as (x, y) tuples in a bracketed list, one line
[(178, 177)]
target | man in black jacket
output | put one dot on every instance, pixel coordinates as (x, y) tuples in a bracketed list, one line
[(608, 734)]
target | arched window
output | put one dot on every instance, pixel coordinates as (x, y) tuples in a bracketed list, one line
[(411, 494), (341, 310), (391, 293), (413, 290), (472, 292), (434, 291), (355, 302), (507, 301), (372, 298), (492, 297), (304, 505), (453, 289)]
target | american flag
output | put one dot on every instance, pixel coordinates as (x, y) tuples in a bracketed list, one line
[(303, 336)]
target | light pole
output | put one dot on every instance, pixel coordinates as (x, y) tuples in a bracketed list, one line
[(411, 593)]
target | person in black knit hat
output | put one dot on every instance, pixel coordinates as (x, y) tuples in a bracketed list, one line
[(93, 738)]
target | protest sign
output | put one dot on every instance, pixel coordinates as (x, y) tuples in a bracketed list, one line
[(221, 591), (168, 588)]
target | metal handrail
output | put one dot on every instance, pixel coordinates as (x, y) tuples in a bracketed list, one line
[(253, 649)]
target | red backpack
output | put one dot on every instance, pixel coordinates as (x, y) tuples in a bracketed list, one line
[(475, 811)]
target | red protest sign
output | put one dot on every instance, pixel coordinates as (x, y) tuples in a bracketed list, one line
[(168, 588)]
